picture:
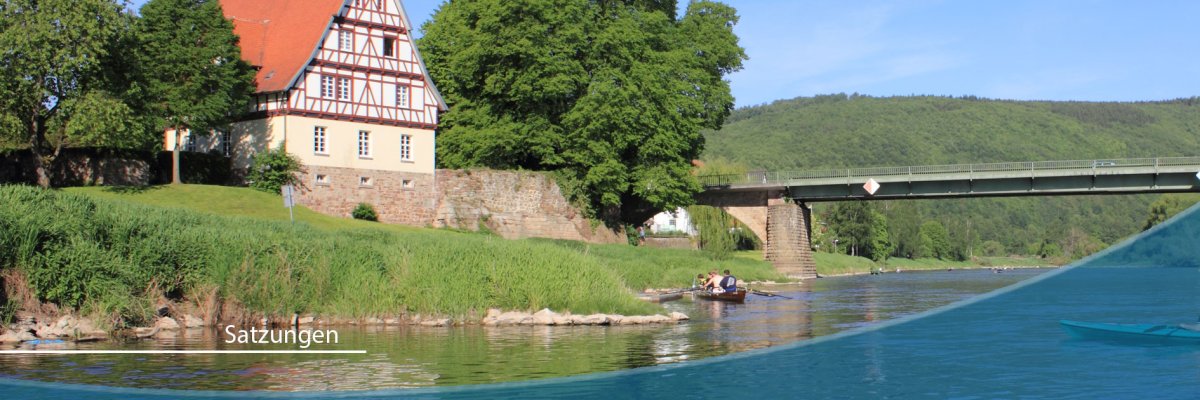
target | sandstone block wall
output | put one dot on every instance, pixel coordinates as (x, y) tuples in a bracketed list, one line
[(787, 243), (670, 243), (105, 167), (398, 197), (513, 204)]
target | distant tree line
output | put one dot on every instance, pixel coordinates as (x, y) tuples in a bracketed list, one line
[(852, 130)]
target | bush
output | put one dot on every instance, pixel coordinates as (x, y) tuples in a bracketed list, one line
[(272, 169), (365, 211)]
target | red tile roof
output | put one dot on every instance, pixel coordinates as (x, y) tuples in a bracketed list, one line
[(280, 36)]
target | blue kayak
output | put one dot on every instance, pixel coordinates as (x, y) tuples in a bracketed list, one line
[(1101, 330)]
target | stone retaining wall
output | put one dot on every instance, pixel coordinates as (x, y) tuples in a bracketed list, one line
[(398, 197), (513, 204), (670, 243)]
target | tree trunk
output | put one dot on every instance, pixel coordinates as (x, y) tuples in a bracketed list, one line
[(42, 169), (41, 162), (175, 180)]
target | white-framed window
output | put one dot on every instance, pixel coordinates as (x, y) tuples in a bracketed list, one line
[(346, 40), (190, 144), (389, 47), (364, 144), (319, 140), (402, 97), (327, 86), (405, 147), (408, 184), (343, 88), (322, 179), (226, 143), (365, 181)]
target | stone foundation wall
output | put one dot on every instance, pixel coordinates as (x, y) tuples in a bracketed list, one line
[(670, 243), (103, 167), (515, 205), (398, 197)]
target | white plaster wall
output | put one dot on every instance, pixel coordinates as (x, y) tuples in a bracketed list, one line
[(662, 222)]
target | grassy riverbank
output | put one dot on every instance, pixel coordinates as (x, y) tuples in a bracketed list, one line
[(829, 264), (115, 253)]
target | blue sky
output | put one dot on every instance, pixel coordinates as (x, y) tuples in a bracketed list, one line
[(1094, 50)]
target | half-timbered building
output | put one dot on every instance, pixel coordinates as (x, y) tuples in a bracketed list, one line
[(341, 85)]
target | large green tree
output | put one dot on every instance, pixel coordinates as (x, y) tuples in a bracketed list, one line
[(193, 67), (611, 94), (861, 230), (935, 241), (1166, 206), (62, 78)]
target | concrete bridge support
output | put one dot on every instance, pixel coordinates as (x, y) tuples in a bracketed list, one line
[(787, 245), (784, 227)]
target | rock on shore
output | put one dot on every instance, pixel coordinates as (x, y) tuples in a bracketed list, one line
[(68, 327), (71, 327), (496, 317)]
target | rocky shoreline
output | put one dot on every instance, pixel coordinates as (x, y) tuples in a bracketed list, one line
[(77, 329)]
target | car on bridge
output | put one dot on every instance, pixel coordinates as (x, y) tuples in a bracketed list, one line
[(1103, 163)]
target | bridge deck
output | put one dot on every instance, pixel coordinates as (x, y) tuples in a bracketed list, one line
[(1139, 175)]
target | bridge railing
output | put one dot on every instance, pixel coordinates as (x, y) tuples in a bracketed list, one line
[(783, 177)]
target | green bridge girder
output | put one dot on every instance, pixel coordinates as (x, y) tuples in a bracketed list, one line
[(1038, 178)]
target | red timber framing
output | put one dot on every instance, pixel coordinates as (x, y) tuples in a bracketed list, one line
[(374, 73)]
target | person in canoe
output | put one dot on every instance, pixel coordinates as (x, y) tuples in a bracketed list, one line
[(728, 282), (699, 281), (714, 282)]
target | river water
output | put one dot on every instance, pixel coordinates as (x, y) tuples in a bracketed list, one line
[(407, 357)]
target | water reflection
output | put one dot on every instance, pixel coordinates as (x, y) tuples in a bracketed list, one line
[(405, 357)]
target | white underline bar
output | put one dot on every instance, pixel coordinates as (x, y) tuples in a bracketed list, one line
[(2, 352)]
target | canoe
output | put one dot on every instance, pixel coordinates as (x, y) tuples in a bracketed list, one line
[(660, 297), (736, 297), (1100, 330)]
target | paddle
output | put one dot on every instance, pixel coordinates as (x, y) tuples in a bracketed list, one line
[(682, 290), (768, 294)]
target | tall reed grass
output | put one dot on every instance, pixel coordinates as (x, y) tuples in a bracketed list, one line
[(115, 258)]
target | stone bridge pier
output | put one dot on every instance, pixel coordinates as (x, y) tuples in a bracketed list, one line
[(783, 226)]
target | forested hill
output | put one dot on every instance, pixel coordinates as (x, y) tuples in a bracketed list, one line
[(838, 131), (858, 131)]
